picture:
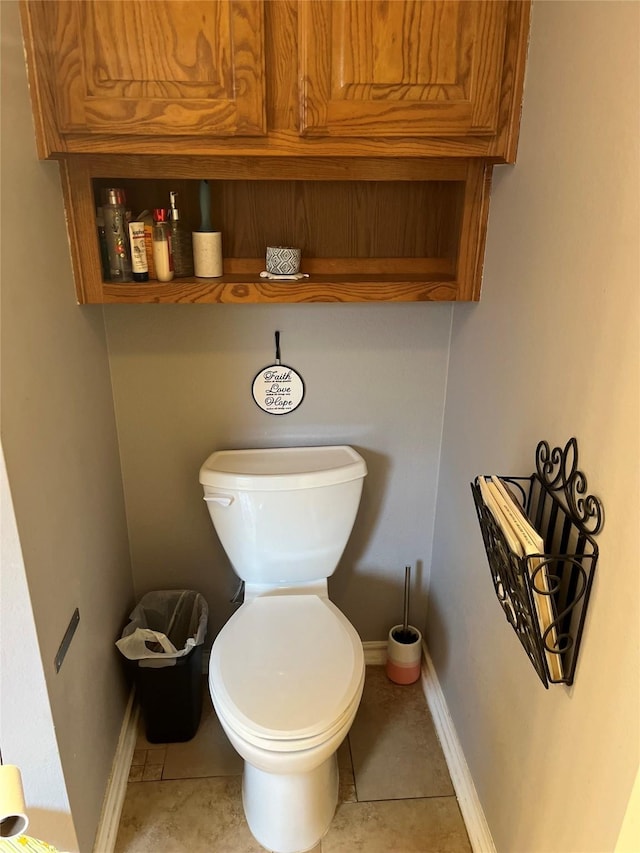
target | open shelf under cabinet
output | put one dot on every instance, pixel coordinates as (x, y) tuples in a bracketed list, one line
[(370, 231)]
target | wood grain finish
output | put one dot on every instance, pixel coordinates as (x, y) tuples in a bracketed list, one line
[(325, 219), (452, 90), (399, 68), (158, 66), (139, 166), (473, 231), (240, 290)]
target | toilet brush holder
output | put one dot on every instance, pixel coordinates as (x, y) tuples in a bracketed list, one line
[(404, 654), (404, 645)]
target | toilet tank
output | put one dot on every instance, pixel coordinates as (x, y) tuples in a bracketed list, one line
[(283, 515)]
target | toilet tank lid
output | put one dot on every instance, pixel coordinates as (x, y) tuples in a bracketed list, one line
[(282, 468)]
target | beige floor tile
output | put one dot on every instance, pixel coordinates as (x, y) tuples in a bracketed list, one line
[(156, 756), (209, 753), (152, 773), (395, 750), (399, 826), (185, 816), (347, 785), (392, 748), (135, 772), (139, 757)]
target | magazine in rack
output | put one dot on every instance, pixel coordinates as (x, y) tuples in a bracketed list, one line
[(525, 542)]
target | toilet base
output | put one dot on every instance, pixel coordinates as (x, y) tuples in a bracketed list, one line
[(290, 812)]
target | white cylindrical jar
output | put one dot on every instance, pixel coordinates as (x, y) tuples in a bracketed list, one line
[(207, 254)]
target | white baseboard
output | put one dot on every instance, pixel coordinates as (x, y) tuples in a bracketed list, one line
[(117, 785), (472, 812), (375, 652)]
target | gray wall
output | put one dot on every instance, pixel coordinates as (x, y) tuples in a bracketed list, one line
[(27, 733), (375, 379), (551, 351), (60, 444)]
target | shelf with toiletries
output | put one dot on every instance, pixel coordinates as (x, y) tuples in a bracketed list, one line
[(369, 230), (538, 533)]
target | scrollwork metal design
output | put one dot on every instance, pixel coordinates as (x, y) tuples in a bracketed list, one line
[(555, 638), (558, 471), (510, 585), (545, 596)]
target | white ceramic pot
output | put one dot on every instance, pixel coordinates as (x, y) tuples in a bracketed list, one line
[(404, 658)]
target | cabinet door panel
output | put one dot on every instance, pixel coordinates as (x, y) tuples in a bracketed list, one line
[(169, 67), (401, 67)]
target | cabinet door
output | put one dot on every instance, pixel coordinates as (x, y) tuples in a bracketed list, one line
[(168, 67), (401, 67)]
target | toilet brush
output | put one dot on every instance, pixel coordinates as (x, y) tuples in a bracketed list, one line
[(406, 634), (404, 645)]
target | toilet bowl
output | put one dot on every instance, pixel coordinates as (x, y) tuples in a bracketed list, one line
[(286, 677), (286, 672)]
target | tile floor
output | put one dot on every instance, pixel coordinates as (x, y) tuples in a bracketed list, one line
[(395, 792)]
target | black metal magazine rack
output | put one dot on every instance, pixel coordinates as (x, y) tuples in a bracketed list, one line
[(545, 596)]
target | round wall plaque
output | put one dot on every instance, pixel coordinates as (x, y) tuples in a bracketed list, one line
[(278, 389)]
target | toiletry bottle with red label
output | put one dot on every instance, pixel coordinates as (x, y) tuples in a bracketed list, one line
[(138, 252), (116, 235), (162, 254)]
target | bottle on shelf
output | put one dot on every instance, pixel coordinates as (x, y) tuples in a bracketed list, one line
[(180, 240), (162, 251), (146, 217), (138, 252), (102, 240), (114, 215)]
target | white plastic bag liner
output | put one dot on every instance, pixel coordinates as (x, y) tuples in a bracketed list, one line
[(165, 625)]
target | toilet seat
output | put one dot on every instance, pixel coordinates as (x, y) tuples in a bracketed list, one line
[(286, 671)]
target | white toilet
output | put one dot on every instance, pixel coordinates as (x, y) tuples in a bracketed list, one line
[(287, 670)]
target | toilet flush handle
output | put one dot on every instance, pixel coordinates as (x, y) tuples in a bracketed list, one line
[(223, 500)]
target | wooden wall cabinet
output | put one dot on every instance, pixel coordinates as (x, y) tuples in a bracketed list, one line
[(147, 67), (363, 131), (346, 78), (389, 69)]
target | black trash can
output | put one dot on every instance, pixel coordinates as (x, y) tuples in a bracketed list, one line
[(162, 645)]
